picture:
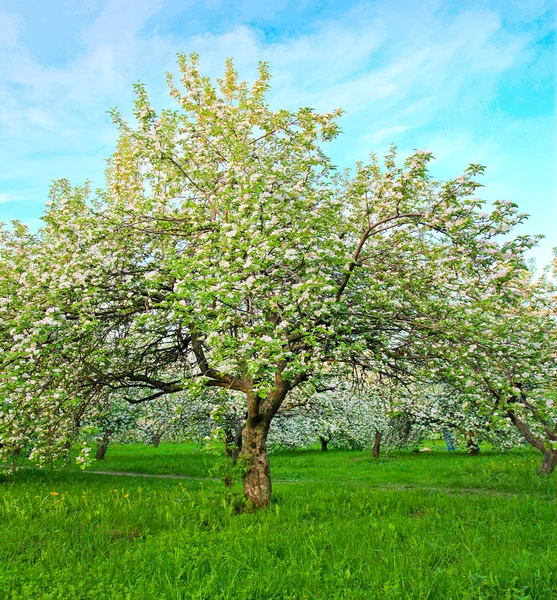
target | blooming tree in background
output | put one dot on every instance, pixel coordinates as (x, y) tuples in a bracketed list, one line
[(109, 420), (441, 408), (349, 414), (511, 370)]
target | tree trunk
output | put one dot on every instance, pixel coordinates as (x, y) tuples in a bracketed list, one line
[(255, 460), (102, 448), (376, 444), (237, 443), (549, 456), (233, 439), (257, 478), (549, 462), (473, 448), (324, 444), (156, 441), (233, 446)]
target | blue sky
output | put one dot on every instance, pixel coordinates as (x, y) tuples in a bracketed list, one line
[(469, 81)]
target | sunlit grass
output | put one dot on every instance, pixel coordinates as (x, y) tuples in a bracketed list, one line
[(428, 525)]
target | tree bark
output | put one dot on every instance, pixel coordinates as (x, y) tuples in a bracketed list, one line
[(237, 443), (549, 456), (473, 448), (376, 444), (233, 437), (156, 441), (257, 478), (257, 474), (324, 444), (102, 448), (549, 462)]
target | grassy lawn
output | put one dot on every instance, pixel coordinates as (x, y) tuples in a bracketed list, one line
[(428, 525)]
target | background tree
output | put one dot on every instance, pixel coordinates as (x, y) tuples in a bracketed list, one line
[(512, 370), (437, 408), (111, 418)]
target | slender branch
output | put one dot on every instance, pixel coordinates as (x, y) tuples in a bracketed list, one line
[(360, 247)]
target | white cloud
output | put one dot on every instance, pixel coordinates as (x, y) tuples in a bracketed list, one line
[(343, 64), (9, 25), (384, 135), (119, 22), (395, 67)]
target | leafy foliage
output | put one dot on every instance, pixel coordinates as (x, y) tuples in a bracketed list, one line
[(227, 251)]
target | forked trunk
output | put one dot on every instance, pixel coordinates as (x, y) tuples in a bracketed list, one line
[(255, 460), (376, 444), (102, 448), (324, 444), (549, 462), (257, 477)]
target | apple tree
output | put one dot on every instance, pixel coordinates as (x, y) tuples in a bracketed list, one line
[(226, 251)]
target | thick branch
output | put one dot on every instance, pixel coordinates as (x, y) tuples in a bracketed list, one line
[(220, 379), (525, 431)]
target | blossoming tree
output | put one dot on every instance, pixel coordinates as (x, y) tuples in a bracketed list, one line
[(511, 370), (227, 251)]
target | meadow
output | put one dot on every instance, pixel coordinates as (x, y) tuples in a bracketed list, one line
[(341, 525)]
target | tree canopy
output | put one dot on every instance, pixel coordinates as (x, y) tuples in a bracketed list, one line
[(226, 250)]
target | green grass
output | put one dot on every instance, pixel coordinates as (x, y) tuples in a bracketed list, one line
[(511, 472), (409, 526)]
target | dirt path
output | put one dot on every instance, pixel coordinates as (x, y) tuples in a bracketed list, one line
[(408, 487), (383, 487), (153, 475)]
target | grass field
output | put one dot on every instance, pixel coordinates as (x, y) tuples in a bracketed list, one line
[(408, 526)]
